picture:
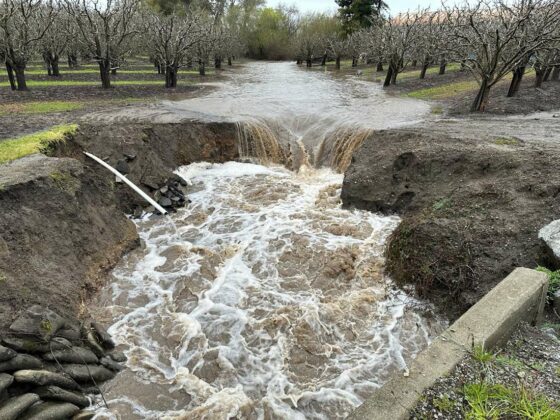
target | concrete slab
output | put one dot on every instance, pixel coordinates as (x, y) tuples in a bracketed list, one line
[(519, 297)]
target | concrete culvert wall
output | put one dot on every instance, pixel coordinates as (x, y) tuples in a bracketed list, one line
[(519, 297)]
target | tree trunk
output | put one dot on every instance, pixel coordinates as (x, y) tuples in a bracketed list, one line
[(104, 72), (114, 71), (171, 76), (309, 63), (547, 74), (388, 77), (354, 62), (555, 76), (338, 63), (379, 66), (442, 67), (218, 62), (423, 71), (539, 77), (299, 62), (20, 77), (202, 68), (47, 60), (414, 63), (11, 77), (518, 74), (54, 65), (394, 75), (229, 62), (481, 100), (324, 60)]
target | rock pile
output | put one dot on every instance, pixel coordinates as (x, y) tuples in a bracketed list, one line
[(172, 195), (49, 364)]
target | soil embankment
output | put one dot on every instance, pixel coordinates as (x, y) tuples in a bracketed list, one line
[(63, 223), (471, 209)]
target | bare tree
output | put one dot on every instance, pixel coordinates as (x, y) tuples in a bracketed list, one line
[(171, 38), (23, 23), (105, 28), (398, 34), (54, 42), (494, 37)]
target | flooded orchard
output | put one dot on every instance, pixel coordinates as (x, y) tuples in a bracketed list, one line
[(262, 299)]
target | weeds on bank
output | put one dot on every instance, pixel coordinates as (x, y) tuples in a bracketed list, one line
[(486, 400), (19, 147), (554, 280)]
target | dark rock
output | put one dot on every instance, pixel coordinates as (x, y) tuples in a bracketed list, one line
[(51, 411), (103, 336), (122, 167), (85, 373), (6, 354), (21, 361), (38, 321), (5, 381), (118, 356), (12, 408), (151, 183), (84, 415), (138, 212), (129, 157), (150, 209), (44, 377), (29, 345), (72, 355), (164, 202), (52, 392), (111, 364), (91, 390), (183, 182), (94, 344), (71, 333)]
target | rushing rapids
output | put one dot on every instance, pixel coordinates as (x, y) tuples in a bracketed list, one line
[(263, 298)]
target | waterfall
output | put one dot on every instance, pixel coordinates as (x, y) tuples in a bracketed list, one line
[(268, 142)]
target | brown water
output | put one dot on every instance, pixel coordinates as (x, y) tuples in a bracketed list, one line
[(263, 299)]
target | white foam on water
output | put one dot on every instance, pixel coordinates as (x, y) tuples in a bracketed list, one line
[(265, 300)]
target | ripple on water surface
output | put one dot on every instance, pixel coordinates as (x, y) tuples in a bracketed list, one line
[(262, 299)]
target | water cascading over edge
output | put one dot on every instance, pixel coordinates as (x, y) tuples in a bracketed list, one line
[(321, 145)]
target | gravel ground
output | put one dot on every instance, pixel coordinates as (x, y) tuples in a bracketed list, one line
[(530, 360)]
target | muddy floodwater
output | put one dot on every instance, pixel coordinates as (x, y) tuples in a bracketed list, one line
[(263, 298)]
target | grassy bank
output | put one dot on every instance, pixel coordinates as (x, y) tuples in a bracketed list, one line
[(19, 147)]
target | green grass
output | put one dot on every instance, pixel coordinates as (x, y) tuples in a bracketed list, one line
[(71, 83), (19, 147), (506, 141), (40, 107), (554, 280), (39, 71), (444, 403), (445, 91), (480, 354), (497, 401)]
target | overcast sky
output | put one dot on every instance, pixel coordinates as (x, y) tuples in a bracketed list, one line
[(395, 6)]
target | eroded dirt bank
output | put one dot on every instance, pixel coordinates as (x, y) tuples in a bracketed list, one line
[(471, 209), (63, 224)]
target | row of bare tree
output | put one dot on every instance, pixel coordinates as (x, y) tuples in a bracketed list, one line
[(109, 31), (489, 38)]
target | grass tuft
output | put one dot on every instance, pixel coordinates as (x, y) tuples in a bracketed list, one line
[(554, 281), (19, 147)]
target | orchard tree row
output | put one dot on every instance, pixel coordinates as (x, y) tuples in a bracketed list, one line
[(109, 31), (489, 38)]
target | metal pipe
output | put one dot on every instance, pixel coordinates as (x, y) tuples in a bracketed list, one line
[(128, 182)]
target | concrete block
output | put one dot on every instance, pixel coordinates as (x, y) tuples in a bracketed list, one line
[(519, 297)]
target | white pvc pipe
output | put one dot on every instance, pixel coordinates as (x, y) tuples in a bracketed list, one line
[(128, 182)]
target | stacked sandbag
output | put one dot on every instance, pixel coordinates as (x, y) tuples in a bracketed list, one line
[(49, 365)]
